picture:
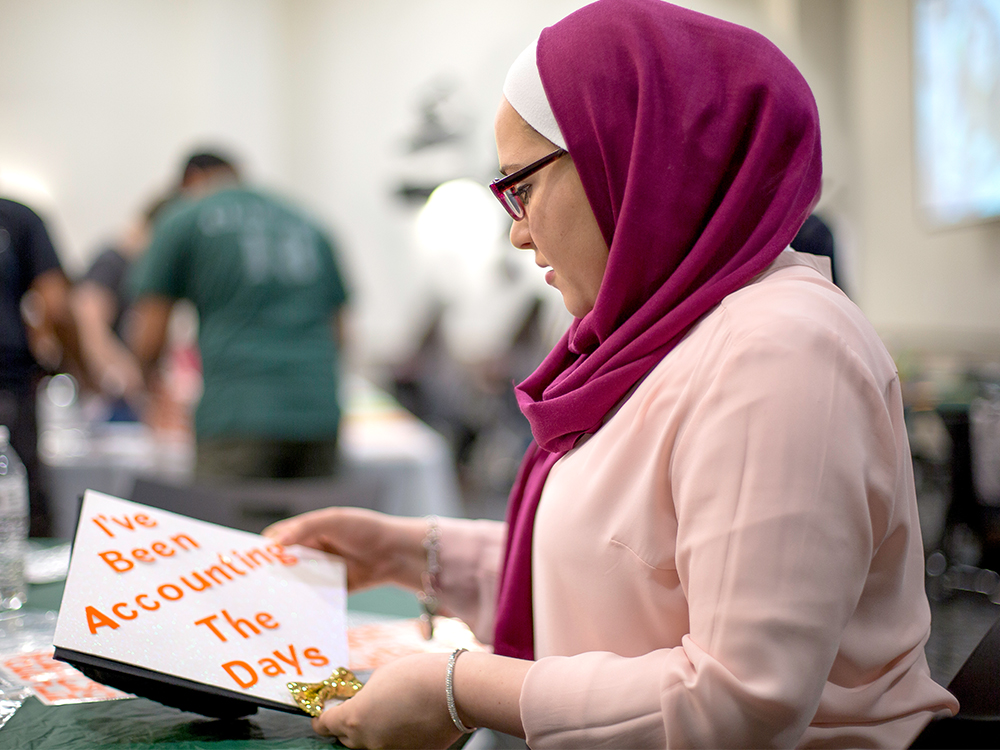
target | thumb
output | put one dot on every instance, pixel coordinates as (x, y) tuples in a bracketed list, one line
[(332, 723)]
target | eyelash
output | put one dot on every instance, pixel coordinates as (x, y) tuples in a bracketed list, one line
[(521, 191)]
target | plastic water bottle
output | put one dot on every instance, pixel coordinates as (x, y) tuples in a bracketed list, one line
[(13, 525)]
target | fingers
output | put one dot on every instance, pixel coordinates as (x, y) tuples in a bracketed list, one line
[(319, 724), (274, 532), (284, 532), (332, 723), (303, 528), (378, 548), (328, 724)]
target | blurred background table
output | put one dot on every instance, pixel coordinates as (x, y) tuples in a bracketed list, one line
[(391, 461)]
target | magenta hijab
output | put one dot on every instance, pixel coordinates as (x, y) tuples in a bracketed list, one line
[(698, 145)]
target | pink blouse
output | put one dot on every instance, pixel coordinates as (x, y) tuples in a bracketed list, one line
[(734, 558)]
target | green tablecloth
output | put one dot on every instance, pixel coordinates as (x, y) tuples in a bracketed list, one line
[(139, 723)]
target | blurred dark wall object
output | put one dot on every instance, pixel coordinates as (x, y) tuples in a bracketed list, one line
[(816, 238)]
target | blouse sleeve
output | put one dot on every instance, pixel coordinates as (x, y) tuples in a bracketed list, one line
[(785, 477), (471, 551)]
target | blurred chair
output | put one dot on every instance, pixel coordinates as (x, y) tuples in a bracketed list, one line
[(977, 687), (252, 505), (966, 557)]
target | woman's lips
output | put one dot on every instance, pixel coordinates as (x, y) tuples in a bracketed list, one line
[(550, 277)]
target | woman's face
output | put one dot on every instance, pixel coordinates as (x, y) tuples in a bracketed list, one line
[(558, 225)]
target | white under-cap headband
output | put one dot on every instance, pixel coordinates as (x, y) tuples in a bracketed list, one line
[(523, 89)]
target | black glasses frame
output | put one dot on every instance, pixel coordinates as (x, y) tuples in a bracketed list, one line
[(503, 187)]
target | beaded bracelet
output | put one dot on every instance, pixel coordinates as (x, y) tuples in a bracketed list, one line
[(449, 691)]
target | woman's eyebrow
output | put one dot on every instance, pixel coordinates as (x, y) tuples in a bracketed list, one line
[(507, 169)]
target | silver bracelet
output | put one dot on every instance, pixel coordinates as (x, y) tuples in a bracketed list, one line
[(427, 596), (449, 691)]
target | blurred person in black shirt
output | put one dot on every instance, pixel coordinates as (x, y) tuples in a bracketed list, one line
[(33, 286)]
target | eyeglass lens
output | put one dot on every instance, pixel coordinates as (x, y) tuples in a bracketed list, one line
[(508, 196), (512, 202)]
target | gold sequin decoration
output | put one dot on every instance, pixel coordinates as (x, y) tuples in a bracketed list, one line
[(310, 696)]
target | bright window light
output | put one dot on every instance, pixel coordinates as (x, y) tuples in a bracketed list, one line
[(23, 186), (460, 222)]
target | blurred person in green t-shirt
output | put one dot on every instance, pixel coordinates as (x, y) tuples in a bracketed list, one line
[(265, 281)]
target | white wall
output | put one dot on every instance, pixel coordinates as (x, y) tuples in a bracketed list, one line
[(359, 71), (100, 99)]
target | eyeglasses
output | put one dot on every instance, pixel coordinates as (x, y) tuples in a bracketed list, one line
[(505, 188)]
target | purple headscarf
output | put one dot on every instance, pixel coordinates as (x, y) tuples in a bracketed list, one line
[(698, 145)]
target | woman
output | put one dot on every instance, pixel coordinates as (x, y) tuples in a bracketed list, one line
[(714, 539)]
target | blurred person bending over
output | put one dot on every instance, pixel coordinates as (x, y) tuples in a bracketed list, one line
[(31, 280), (100, 302), (269, 295)]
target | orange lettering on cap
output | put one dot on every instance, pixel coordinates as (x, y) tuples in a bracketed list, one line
[(270, 667), (97, 619), (315, 657), (115, 560), (231, 666), (130, 615), (266, 620)]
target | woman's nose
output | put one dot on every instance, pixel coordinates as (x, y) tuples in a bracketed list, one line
[(520, 236)]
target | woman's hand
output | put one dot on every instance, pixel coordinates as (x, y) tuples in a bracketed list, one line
[(378, 548), (403, 705)]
